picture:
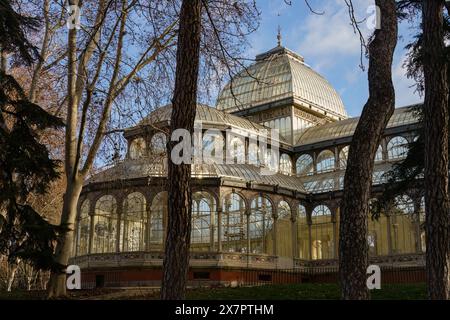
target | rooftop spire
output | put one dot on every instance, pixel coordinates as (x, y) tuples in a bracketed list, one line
[(279, 36)]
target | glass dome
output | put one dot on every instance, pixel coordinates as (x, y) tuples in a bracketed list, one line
[(277, 75)]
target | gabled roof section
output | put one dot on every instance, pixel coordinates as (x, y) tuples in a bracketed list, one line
[(143, 168), (346, 128), (205, 114)]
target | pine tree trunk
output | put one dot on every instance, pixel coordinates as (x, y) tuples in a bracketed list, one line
[(436, 150), (176, 261), (57, 282), (353, 248)]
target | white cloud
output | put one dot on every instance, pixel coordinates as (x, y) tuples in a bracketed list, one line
[(331, 35)]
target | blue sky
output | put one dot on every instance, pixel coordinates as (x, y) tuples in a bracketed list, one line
[(329, 46)]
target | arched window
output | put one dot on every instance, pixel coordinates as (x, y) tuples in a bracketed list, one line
[(343, 156), (321, 211), (133, 222), (83, 230), (302, 233), (261, 226), (305, 165), (403, 225), (234, 227), (203, 215), (158, 214), (379, 154), (285, 164), (322, 235), (105, 225), (213, 145), (158, 143), (397, 148), (284, 230), (137, 148), (325, 161)]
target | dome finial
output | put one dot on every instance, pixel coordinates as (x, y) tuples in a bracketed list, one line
[(279, 36)]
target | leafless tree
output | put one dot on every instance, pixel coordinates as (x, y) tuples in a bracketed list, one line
[(99, 69)]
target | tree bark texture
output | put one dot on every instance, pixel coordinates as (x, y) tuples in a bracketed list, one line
[(57, 284), (436, 150), (176, 261), (353, 248)]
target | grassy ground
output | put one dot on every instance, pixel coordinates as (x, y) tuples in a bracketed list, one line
[(305, 291)]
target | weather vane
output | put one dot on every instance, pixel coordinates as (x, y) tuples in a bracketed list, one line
[(279, 36), (279, 32)]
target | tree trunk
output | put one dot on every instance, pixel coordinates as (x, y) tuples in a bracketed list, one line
[(353, 250), (176, 261), (57, 282), (436, 150)]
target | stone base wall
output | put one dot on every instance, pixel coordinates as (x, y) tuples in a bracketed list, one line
[(144, 269)]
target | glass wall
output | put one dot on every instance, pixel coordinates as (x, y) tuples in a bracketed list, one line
[(137, 148), (158, 143), (134, 217), (377, 235), (305, 165), (322, 234), (234, 224), (261, 231), (285, 164), (283, 125), (403, 226), (423, 243), (302, 233), (158, 214), (235, 150), (343, 156), (243, 230), (397, 148), (105, 225), (203, 227), (83, 229), (379, 154), (213, 146), (325, 161), (284, 230)]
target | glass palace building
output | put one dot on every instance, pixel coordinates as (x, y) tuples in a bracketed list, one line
[(241, 218)]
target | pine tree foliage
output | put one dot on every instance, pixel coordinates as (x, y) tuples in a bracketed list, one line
[(13, 28), (408, 173), (25, 163)]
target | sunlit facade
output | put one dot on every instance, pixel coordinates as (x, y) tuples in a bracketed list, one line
[(242, 218)]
